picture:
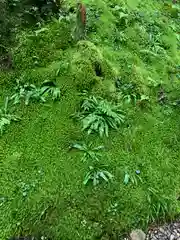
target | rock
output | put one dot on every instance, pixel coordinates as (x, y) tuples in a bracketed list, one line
[(172, 237), (168, 231), (162, 230), (138, 234)]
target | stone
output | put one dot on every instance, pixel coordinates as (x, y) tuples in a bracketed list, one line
[(162, 230), (172, 237), (138, 234), (168, 231)]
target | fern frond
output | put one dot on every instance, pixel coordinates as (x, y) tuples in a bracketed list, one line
[(98, 115)]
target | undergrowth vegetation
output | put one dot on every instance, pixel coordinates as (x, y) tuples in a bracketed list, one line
[(99, 115), (89, 124)]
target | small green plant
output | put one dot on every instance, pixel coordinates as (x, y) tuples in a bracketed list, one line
[(50, 87), (89, 152), (27, 92), (6, 117), (19, 92), (3, 123), (143, 101), (130, 98), (30, 92), (34, 93), (127, 92), (99, 115), (159, 206), (132, 178), (96, 175)]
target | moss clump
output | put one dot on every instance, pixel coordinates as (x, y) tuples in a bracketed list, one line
[(39, 75), (84, 75), (38, 48), (89, 67)]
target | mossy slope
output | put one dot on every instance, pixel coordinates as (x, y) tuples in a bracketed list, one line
[(41, 181)]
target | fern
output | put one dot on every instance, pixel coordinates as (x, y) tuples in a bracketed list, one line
[(89, 152), (30, 92), (34, 93), (99, 115), (50, 88), (96, 175), (127, 92), (130, 98), (27, 92)]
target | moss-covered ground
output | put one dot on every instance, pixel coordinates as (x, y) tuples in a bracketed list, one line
[(41, 181)]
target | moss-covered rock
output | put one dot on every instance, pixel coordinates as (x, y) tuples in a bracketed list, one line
[(89, 67)]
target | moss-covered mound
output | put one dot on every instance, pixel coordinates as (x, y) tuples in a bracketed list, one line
[(130, 56)]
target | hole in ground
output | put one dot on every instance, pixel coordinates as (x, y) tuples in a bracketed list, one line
[(98, 69)]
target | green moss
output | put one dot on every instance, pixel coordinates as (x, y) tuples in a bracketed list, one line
[(90, 68), (84, 75), (39, 48), (41, 189), (7, 78)]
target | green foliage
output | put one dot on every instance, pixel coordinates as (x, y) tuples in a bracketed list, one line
[(89, 152), (144, 101), (90, 68), (132, 178), (96, 175), (128, 93), (49, 87), (6, 117), (45, 45), (83, 64), (134, 41), (99, 115), (17, 13), (131, 98), (33, 93), (30, 92), (160, 206)]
